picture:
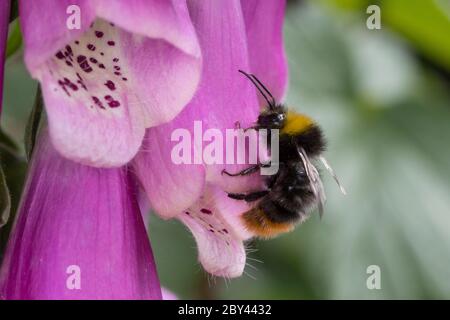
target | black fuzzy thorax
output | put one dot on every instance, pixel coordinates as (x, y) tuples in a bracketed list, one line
[(290, 195), (311, 140)]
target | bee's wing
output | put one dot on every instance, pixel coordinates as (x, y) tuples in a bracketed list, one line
[(314, 180), (331, 171)]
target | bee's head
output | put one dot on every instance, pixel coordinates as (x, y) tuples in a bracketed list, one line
[(272, 118)]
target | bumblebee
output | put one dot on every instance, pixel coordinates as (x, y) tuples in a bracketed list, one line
[(296, 189)]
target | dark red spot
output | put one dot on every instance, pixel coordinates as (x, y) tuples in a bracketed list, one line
[(102, 54), (115, 59), (211, 230), (124, 79), (69, 63), (188, 213), (63, 86), (117, 73), (77, 42), (59, 55), (225, 230), (114, 104), (93, 60), (69, 83), (98, 102), (110, 85), (80, 81), (81, 58), (111, 102), (83, 63), (205, 211), (99, 34), (111, 43), (69, 50), (117, 68), (82, 85), (101, 66), (91, 47)]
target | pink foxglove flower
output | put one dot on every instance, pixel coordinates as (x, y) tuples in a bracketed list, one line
[(115, 90), (233, 35), (130, 65), (79, 235)]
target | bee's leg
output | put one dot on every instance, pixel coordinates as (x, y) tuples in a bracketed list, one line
[(256, 127), (237, 126), (250, 197), (247, 171)]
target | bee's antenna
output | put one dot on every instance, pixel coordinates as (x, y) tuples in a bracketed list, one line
[(255, 82), (331, 171), (274, 102)]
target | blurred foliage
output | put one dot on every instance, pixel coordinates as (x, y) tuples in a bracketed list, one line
[(386, 115), (5, 199), (425, 23), (14, 39), (13, 165)]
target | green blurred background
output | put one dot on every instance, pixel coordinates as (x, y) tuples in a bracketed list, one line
[(383, 99)]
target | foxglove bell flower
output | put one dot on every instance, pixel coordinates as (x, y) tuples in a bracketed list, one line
[(79, 235), (116, 90), (233, 35), (126, 66)]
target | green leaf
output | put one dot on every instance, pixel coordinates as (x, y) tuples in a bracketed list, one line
[(7, 144), (13, 167), (33, 124), (5, 199), (14, 40), (425, 23)]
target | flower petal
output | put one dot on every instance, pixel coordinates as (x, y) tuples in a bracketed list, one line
[(215, 223), (264, 25), (170, 188), (224, 97), (4, 21), (45, 30), (77, 222), (45, 23), (168, 20), (103, 87), (168, 295)]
